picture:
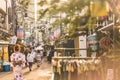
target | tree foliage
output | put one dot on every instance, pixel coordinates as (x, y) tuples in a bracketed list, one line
[(77, 12), (24, 3)]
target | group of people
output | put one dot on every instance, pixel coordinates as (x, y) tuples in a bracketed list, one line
[(34, 56), (19, 60)]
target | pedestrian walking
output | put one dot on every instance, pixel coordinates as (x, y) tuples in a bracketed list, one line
[(30, 60), (26, 53), (51, 54), (38, 58), (33, 53), (41, 54), (48, 52), (17, 61)]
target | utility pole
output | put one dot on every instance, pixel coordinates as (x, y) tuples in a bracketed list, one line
[(35, 14), (14, 18)]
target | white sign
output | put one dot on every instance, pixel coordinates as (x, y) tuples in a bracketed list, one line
[(14, 39), (110, 74), (82, 45), (82, 42)]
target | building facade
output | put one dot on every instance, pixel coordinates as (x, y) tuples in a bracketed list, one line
[(6, 30)]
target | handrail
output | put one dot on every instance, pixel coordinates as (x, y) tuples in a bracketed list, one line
[(111, 24)]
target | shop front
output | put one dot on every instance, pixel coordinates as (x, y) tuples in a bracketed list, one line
[(4, 56), (1, 58)]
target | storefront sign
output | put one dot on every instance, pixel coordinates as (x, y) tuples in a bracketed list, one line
[(82, 45), (93, 43)]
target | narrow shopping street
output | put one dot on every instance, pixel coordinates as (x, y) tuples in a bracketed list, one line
[(74, 39), (44, 72)]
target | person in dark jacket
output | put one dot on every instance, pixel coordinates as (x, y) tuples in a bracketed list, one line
[(51, 54)]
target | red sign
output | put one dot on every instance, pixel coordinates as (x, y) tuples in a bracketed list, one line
[(20, 33)]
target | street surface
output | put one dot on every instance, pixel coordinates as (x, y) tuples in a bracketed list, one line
[(44, 72)]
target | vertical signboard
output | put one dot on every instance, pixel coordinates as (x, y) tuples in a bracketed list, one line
[(82, 45), (6, 56), (93, 44)]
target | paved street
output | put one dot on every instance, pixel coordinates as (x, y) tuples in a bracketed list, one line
[(44, 72)]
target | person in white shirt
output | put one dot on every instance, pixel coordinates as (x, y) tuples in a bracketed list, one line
[(30, 60), (33, 53), (38, 58)]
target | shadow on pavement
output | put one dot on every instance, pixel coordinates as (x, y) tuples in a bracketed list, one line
[(27, 72)]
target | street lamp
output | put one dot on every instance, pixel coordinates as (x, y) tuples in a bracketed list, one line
[(35, 15)]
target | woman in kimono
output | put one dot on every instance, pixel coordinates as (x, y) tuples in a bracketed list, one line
[(18, 61)]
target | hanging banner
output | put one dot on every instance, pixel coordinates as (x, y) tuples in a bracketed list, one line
[(20, 33), (98, 8)]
